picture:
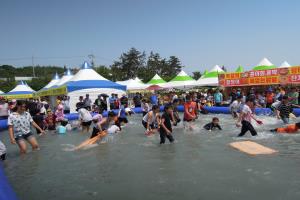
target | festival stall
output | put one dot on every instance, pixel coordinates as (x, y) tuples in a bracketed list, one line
[(210, 78), (181, 81), (85, 81), (21, 91), (275, 76)]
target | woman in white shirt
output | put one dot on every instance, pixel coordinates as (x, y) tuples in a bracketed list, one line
[(85, 118)]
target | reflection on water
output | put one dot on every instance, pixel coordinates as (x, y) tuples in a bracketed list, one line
[(130, 165)]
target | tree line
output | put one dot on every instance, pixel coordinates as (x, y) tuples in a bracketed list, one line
[(130, 64)]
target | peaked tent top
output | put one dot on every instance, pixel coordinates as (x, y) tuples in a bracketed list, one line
[(239, 69), (216, 68), (156, 80), (87, 74), (68, 75), (133, 84), (284, 64), (182, 76), (86, 65), (265, 62), (21, 88), (54, 81)]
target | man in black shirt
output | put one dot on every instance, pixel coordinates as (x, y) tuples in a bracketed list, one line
[(166, 125)]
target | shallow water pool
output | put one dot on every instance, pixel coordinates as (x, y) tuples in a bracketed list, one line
[(129, 165)]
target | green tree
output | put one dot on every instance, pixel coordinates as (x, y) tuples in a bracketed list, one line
[(128, 64), (104, 71), (196, 75)]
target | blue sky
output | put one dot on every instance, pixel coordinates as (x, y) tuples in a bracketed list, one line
[(201, 33)]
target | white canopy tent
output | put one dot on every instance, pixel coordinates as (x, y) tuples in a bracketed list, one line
[(54, 81), (211, 77), (1, 92), (133, 84), (284, 65), (67, 77), (88, 81), (181, 81)]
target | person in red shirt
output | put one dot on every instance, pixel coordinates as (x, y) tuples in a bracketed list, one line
[(291, 129), (190, 110)]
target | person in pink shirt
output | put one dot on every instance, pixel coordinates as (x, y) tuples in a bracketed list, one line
[(245, 118), (59, 113)]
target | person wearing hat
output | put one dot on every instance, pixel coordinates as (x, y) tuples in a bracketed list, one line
[(246, 117), (3, 108), (235, 106)]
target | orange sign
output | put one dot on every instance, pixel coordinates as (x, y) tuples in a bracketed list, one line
[(261, 77)]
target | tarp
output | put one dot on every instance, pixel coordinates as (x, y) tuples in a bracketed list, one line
[(264, 64), (21, 91), (182, 80), (133, 84), (156, 80)]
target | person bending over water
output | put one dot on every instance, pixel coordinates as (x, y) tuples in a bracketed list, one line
[(213, 125), (292, 128), (19, 128), (245, 117), (85, 118), (103, 123), (150, 119), (235, 107), (165, 130)]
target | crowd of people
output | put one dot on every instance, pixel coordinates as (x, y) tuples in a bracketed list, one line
[(21, 114)]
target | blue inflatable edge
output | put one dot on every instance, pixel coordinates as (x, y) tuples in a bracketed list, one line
[(6, 192)]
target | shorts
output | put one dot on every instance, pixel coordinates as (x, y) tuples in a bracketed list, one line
[(23, 137), (86, 123), (124, 120), (145, 125), (188, 120), (52, 127)]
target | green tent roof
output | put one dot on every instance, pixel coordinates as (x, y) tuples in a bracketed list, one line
[(156, 80), (182, 76), (239, 69), (264, 67)]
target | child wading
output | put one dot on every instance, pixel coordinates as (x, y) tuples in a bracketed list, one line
[(166, 125), (245, 117), (213, 125)]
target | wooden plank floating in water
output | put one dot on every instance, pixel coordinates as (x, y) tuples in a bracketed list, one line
[(252, 148)]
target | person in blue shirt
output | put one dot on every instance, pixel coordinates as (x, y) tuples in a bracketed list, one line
[(112, 101), (218, 98), (154, 99)]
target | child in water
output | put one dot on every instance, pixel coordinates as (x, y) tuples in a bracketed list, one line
[(291, 129), (63, 127), (213, 125), (59, 113), (50, 120), (165, 130)]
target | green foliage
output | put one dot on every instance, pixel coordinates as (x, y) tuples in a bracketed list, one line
[(196, 75)]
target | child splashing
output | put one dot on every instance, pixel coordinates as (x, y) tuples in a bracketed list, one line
[(165, 130), (213, 125), (150, 119)]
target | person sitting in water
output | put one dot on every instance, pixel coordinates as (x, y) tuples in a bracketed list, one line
[(2, 151), (235, 106), (292, 128), (50, 120), (213, 125), (165, 129), (245, 118), (150, 118), (63, 127), (59, 113), (85, 118), (129, 111)]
